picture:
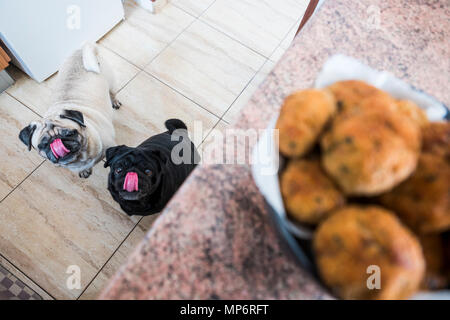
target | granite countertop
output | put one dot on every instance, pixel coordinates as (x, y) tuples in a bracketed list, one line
[(215, 239)]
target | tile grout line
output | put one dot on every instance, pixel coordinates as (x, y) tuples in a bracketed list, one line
[(128, 82), (226, 34), (254, 76), (285, 37), (180, 93), (167, 46), (1, 255), (245, 88), (175, 5), (203, 12), (28, 277), (170, 43), (232, 38), (109, 259), (108, 48), (20, 183), (211, 130), (268, 59), (206, 23), (22, 103), (156, 56)]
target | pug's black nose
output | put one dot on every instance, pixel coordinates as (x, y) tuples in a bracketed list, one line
[(68, 132)]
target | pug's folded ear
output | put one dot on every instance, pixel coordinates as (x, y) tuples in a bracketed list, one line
[(26, 134), (73, 115), (113, 153)]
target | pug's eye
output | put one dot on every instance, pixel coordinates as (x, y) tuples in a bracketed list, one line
[(148, 172), (118, 170)]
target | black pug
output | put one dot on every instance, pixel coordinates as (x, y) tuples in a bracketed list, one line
[(143, 179)]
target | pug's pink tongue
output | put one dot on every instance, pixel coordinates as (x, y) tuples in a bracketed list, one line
[(58, 149), (131, 182)]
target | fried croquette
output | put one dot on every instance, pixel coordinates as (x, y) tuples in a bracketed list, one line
[(377, 102), (412, 111), (356, 242), (436, 139), (423, 200), (370, 152), (302, 118), (309, 195), (350, 93), (433, 250)]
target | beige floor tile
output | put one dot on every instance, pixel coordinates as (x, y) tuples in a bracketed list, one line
[(54, 220), (38, 96), (287, 41), (16, 162), (123, 70), (259, 24), (143, 35), (243, 99), (22, 277), (193, 7), (211, 68), (147, 104), (214, 137), (119, 258), (277, 54)]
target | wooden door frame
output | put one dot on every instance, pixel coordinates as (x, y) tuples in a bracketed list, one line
[(4, 59), (308, 13)]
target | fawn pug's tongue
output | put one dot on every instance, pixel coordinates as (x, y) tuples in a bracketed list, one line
[(131, 182), (58, 148)]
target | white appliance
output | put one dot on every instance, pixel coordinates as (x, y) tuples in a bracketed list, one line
[(153, 6), (39, 35)]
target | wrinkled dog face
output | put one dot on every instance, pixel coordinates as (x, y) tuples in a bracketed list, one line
[(134, 176), (43, 135)]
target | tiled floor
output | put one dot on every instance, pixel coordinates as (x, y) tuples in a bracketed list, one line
[(198, 60)]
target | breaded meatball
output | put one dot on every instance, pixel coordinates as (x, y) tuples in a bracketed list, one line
[(350, 93), (436, 139), (302, 118), (423, 200), (377, 102), (433, 250), (354, 238), (413, 112), (309, 195), (370, 152)]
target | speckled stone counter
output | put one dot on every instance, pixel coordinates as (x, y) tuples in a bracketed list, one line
[(215, 240)]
